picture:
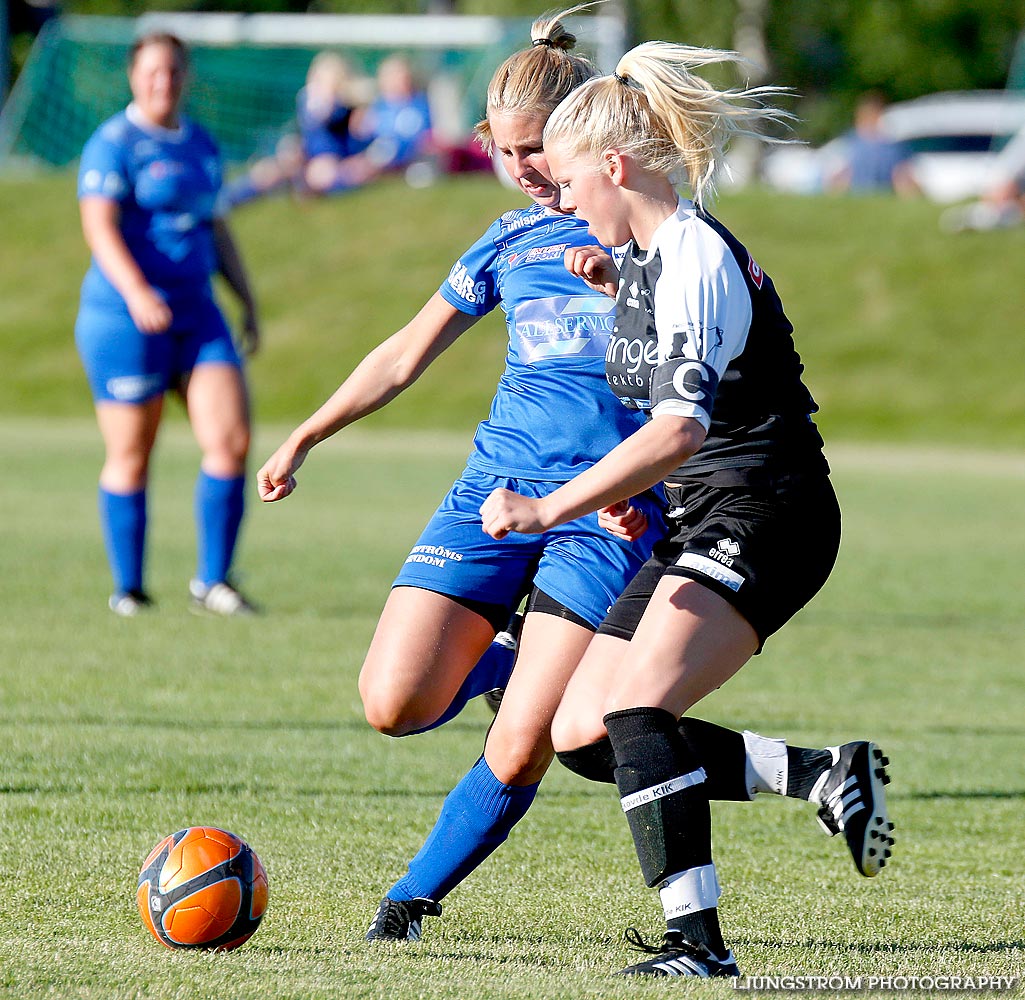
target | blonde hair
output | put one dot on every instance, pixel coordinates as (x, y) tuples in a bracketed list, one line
[(331, 75), (534, 80), (657, 110)]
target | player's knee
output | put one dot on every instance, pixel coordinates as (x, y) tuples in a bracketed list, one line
[(226, 458), (235, 446), (518, 754), (573, 729), (125, 471), (389, 710)]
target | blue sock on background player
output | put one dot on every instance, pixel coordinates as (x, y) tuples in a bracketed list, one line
[(219, 505), (475, 819), (123, 519), (491, 671)]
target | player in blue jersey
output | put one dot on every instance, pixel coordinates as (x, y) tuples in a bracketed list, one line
[(553, 415), (148, 323), (702, 345)]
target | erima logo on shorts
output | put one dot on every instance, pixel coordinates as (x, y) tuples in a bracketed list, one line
[(712, 569), (133, 388)]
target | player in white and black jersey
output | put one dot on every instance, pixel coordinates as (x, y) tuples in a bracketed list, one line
[(702, 345)]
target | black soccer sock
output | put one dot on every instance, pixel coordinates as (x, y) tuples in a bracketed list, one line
[(804, 768), (662, 791), (723, 755), (721, 752)]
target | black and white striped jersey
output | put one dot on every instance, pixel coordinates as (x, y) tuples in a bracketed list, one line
[(700, 332)]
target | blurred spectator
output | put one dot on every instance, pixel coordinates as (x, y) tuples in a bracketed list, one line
[(1003, 203), (873, 161), (325, 111), (394, 132)]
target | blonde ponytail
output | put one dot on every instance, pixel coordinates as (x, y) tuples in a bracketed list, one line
[(534, 80), (655, 108)]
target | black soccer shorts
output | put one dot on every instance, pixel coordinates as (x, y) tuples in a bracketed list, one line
[(767, 549)]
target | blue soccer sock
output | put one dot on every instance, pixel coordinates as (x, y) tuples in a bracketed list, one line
[(475, 819), (219, 504), (123, 520), (491, 671)]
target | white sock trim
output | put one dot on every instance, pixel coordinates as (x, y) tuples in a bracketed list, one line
[(677, 784), (690, 891), (766, 767)]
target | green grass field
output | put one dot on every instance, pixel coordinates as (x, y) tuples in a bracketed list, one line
[(908, 334), (117, 732)]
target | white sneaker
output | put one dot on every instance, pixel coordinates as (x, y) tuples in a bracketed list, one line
[(128, 603), (219, 599)]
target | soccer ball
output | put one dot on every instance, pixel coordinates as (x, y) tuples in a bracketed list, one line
[(202, 888)]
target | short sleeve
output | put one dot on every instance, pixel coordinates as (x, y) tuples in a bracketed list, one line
[(102, 171), (472, 282), (703, 318)]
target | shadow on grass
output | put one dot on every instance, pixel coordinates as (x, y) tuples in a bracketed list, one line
[(195, 724), (890, 947), (991, 793)]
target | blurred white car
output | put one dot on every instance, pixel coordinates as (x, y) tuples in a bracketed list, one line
[(954, 138)]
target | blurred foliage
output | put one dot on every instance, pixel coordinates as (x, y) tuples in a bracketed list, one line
[(827, 51)]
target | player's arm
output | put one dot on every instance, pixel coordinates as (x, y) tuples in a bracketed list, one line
[(645, 458), (682, 392), (101, 227), (229, 263), (385, 372)]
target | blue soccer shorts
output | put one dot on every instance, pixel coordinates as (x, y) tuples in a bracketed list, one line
[(125, 365), (579, 564)]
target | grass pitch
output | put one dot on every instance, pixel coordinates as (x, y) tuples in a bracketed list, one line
[(117, 732), (909, 334)]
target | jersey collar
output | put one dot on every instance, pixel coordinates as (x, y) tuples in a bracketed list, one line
[(178, 134)]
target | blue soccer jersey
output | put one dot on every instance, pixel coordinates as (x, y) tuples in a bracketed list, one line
[(166, 182), (554, 414)]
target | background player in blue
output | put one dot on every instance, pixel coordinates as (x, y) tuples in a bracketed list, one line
[(701, 344), (147, 322), (553, 415)]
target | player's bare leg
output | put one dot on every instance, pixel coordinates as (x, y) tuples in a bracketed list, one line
[(218, 407), (492, 797), (424, 647)]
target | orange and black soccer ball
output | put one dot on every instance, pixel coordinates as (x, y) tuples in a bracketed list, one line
[(202, 888)]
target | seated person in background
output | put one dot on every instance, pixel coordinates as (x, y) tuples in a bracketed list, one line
[(1002, 203), (874, 162), (394, 131), (326, 108)]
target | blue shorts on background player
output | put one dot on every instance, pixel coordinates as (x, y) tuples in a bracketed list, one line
[(148, 186)]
